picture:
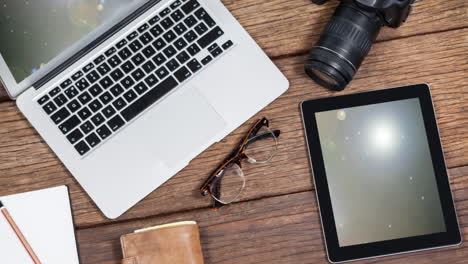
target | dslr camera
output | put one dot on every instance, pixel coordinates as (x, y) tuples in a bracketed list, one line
[(349, 36)]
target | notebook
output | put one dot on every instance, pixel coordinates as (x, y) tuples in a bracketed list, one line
[(44, 218)]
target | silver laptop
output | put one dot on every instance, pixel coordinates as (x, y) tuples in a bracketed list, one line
[(127, 93)]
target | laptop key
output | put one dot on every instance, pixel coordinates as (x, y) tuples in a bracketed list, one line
[(169, 36), (227, 44), (127, 82), (176, 4), (87, 127), (177, 15), (180, 43), (194, 65), (169, 51), (117, 74), (159, 59), (117, 90), (106, 98), (93, 140), (203, 15), (190, 36), (43, 99), (135, 46), (165, 12), (66, 83), (82, 84), (95, 90), (159, 44), (125, 53), (216, 51), (69, 124), (115, 123), (54, 92), (149, 51), (95, 105), (193, 49), (73, 105), (167, 23), (104, 132), (77, 75), (98, 119), (190, 21), (190, 6), (110, 51), (74, 136), (88, 67), (162, 72), (209, 37), (60, 100), (84, 113), (82, 148), (127, 67), (103, 69), (99, 59), (108, 111), (138, 59), (143, 27), (121, 43), (183, 57), (93, 76), (182, 74), (201, 28), (60, 115), (151, 80), (119, 104), (138, 74), (71, 92), (156, 31), (172, 65), (154, 20), (180, 28), (114, 61), (141, 88), (106, 82), (149, 98), (130, 96), (149, 67), (84, 98), (132, 35), (146, 38), (207, 60)]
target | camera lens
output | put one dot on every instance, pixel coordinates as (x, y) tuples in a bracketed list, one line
[(342, 46)]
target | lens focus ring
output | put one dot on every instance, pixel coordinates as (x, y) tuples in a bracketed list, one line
[(348, 31)]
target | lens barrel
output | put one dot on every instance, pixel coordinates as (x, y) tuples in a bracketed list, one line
[(342, 46)]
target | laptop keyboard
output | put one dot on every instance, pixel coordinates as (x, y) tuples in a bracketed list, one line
[(98, 100)]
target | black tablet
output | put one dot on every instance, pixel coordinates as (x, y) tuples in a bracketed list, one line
[(379, 173)]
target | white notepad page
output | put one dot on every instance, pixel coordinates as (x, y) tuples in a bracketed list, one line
[(44, 217)]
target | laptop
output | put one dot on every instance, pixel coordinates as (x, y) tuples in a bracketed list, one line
[(127, 93)]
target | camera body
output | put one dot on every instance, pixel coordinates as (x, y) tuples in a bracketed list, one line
[(349, 36)]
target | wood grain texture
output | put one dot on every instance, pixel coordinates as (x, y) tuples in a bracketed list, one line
[(289, 27), (282, 229), (438, 59)]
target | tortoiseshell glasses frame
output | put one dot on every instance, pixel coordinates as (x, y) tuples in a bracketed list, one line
[(212, 184)]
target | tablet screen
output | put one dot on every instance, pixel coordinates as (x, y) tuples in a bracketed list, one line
[(35, 32), (380, 174)]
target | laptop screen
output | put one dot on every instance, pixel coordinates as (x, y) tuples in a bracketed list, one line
[(36, 31)]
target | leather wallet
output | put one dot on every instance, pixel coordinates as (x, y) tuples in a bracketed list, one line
[(176, 243)]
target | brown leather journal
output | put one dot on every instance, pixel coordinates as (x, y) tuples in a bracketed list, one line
[(177, 243)]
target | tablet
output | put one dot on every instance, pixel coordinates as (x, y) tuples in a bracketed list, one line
[(379, 173)]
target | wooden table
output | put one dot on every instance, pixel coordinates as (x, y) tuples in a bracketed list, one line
[(276, 219)]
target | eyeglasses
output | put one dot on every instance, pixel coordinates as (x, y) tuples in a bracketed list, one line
[(227, 182)]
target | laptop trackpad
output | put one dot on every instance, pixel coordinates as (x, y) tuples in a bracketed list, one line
[(186, 124)]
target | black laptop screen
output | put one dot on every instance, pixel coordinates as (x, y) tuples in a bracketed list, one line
[(36, 31)]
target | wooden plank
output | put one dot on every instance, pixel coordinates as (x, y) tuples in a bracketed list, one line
[(289, 27), (26, 163), (283, 229)]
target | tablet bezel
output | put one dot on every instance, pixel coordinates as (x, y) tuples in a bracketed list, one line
[(339, 254)]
